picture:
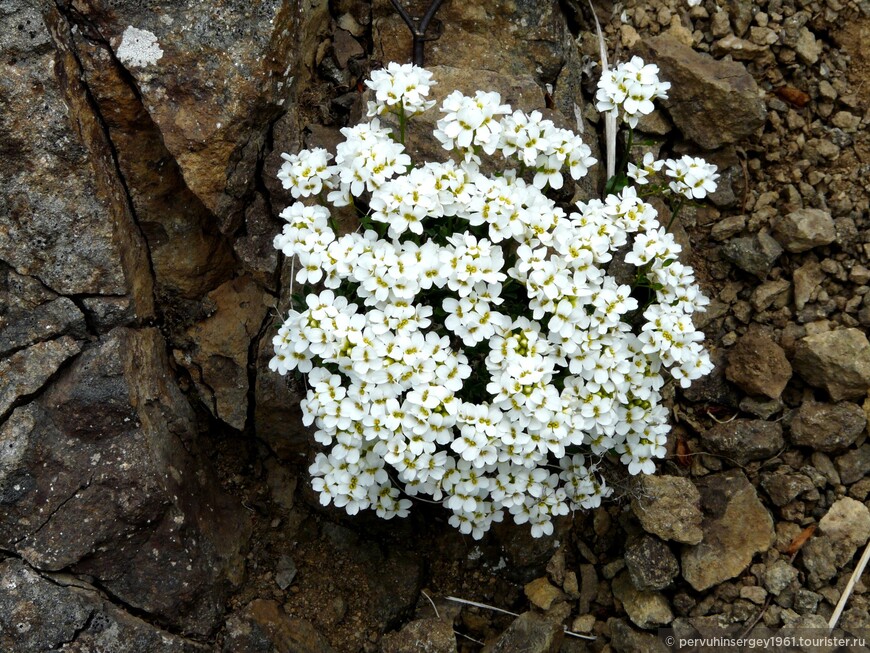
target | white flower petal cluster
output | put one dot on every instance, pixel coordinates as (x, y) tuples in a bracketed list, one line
[(631, 87), (400, 87), (692, 176), (470, 342)]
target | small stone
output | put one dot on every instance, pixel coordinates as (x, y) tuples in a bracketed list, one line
[(625, 639), (263, 625), (807, 47), (753, 593), (846, 121), (736, 527), (542, 594), (745, 440), (286, 572), (779, 576), (847, 522), (763, 409), (855, 465), (583, 624), (785, 488), (806, 279), (753, 254), (758, 366), (727, 227), (771, 293), (651, 564), (806, 601), (645, 609), (827, 427), (421, 636), (571, 586), (669, 507), (739, 49), (838, 361), (530, 633), (804, 229)]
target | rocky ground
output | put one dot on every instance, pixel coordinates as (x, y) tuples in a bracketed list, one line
[(153, 493)]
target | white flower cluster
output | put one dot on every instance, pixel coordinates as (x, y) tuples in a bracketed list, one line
[(690, 176), (470, 345), (631, 86)]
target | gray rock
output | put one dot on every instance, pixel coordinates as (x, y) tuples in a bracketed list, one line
[(423, 635), (713, 103), (843, 529), (651, 564), (758, 366), (779, 576), (262, 626), (736, 527), (78, 235), (838, 361), (753, 254), (761, 408), (30, 313), (804, 229), (854, 465), (827, 427), (744, 440), (52, 613), (285, 573), (530, 632), (645, 609), (71, 500), (669, 506), (26, 371), (785, 488)]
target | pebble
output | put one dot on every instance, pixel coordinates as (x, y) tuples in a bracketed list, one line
[(804, 229), (838, 361), (827, 427), (669, 507)]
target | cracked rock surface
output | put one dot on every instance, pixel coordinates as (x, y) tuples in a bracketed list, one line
[(154, 494)]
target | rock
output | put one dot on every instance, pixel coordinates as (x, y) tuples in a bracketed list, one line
[(218, 359), (669, 506), (753, 254), (806, 47), (758, 366), (838, 361), (588, 588), (625, 639), (806, 279), (763, 409), (530, 633), (753, 593), (771, 293), (827, 427), (847, 522), (739, 49), (779, 576), (542, 594), (79, 236), (736, 527), (423, 635), (728, 227), (263, 627), (285, 573), (651, 564), (713, 103), (843, 529), (188, 254), (217, 85), (645, 609), (50, 613), (801, 230), (30, 313), (785, 488), (855, 465), (71, 500), (744, 440), (26, 371)]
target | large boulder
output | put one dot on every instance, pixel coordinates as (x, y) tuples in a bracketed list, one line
[(100, 475)]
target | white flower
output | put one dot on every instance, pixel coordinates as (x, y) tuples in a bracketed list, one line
[(457, 379)]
